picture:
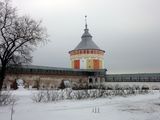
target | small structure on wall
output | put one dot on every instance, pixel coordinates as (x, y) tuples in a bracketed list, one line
[(87, 55)]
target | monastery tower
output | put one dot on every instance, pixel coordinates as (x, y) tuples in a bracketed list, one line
[(87, 55)]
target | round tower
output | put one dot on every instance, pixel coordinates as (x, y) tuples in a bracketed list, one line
[(87, 55)]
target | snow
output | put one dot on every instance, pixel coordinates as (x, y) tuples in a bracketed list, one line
[(137, 107)]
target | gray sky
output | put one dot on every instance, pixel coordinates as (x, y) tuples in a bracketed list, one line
[(128, 30)]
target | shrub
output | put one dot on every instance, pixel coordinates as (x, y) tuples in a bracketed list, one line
[(68, 93), (6, 98)]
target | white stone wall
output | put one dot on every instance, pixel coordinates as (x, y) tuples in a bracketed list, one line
[(83, 64)]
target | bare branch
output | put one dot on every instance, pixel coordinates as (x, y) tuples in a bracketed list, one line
[(18, 37)]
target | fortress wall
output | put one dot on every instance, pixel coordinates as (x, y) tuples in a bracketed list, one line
[(45, 81), (150, 85)]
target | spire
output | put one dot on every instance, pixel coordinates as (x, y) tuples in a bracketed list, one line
[(86, 33), (86, 42), (86, 22)]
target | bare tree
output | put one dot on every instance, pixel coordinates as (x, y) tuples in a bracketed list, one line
[(19, 35)]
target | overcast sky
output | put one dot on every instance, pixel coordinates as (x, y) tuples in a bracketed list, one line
[(128, 30)]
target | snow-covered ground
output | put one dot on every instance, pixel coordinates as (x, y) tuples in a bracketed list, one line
[(139, 107)]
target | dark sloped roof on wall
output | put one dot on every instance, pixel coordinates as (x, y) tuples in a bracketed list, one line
[(33, 69), (59, 68)]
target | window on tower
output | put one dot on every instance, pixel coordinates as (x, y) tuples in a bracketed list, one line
[(96, 80), (90, 80)]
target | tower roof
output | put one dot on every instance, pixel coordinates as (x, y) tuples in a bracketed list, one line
[(86, 42)]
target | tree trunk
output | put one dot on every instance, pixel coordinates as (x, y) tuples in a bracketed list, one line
[(2, 76)]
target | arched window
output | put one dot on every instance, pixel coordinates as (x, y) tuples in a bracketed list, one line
[(90, 80), (96, 80)]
